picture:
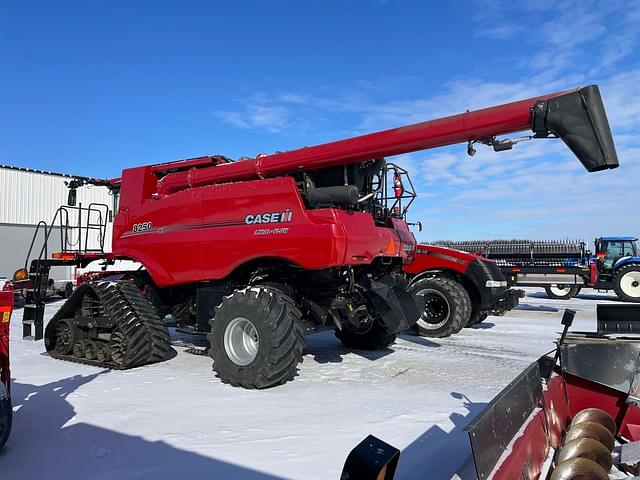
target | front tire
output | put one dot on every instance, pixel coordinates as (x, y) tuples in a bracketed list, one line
[(562, 292), (447, 306), (256, 338), (626, 283)]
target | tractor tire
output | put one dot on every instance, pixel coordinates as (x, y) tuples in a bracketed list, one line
[(626, 283), (447, 306), (256, 338), (477, 317), (5, 415), (562, 292)]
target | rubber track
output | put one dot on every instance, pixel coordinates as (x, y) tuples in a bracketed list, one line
[(147, 337)]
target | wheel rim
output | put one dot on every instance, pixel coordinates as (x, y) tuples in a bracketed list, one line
[(241, 341), (436, 309), (560, 290), (630, 284), (64, 338)]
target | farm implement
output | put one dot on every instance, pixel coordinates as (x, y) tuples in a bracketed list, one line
[(563, 268), (572, 415)]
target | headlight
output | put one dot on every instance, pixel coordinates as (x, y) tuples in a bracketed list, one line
[(495, 283)]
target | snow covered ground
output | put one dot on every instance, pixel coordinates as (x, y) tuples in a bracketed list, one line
[(176, 419)]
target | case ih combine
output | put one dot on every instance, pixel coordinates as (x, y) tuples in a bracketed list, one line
[(258, 252), (563, 268)]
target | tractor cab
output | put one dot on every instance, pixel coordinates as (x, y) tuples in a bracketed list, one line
[(609, 250)]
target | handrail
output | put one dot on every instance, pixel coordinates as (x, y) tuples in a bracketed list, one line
[(67, 243)]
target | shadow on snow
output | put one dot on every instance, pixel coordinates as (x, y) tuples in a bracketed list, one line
[(46, 443), (429, 455)]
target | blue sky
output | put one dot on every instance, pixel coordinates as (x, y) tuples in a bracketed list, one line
[(90, 87)]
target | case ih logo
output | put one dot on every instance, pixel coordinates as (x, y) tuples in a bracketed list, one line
[(275, 217)]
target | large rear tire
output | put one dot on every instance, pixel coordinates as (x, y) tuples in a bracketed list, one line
[(447, 306), (626, 283), (256, 338), (562, 292)]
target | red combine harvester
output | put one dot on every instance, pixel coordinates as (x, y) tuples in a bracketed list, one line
[(258, 252), (571, 416), (6, 307)]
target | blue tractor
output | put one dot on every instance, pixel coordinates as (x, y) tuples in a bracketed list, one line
[(617, 265)]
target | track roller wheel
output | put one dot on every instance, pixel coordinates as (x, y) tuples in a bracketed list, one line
[(66, 336), (447, 306), (90, 349), (78, 349), (256, 338), (103, 352)]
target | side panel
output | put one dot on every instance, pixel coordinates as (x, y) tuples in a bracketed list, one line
[(205, 233), (430, 257), (264, 219), (165, 236)]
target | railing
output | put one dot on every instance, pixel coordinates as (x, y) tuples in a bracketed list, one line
[(96, 220)]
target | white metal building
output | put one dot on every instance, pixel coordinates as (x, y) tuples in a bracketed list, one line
[(29, 196)]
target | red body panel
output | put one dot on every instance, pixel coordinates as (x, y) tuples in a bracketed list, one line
[(202, 233), (528, 451), (6, 307), (585, 394), (431, 257)]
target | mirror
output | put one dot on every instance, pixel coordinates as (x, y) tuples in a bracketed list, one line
[(72, 198)]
